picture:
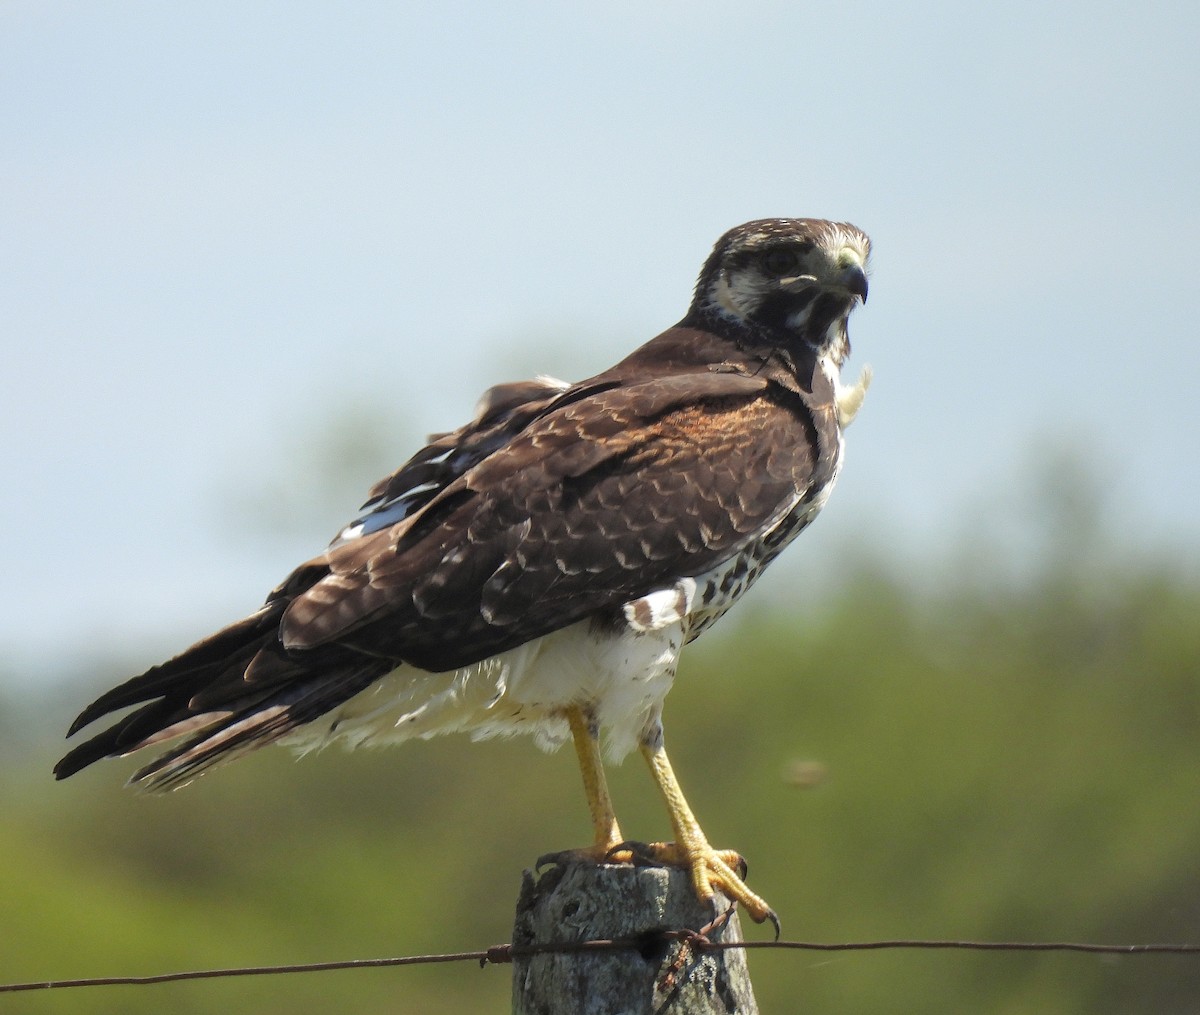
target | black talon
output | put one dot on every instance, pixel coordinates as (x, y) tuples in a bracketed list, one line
[(557, 857)]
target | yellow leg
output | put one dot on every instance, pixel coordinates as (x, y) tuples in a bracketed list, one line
[(606, 832), (710, 868)]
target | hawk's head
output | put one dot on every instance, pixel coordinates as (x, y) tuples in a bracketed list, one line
[(786, 278)]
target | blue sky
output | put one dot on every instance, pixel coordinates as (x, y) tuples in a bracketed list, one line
[(226, 224)]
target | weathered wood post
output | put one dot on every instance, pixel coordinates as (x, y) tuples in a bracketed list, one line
[(582, 902)]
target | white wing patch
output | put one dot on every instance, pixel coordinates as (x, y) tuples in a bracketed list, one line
[(659, 609)]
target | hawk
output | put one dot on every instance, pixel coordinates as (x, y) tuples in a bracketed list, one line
[(540, 569)]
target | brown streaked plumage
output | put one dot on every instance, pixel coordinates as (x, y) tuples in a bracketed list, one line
[(540, 569)]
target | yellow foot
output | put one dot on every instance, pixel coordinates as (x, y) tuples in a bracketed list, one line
[(670, 854), (722, 870)]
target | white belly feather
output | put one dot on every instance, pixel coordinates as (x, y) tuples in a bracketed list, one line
[(623, 675)]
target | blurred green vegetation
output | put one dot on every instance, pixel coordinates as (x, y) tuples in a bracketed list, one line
[(950, 757)]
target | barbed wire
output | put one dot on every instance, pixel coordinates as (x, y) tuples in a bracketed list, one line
[(696, 940)]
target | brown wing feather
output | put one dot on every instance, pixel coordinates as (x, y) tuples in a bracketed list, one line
[(593, 504)]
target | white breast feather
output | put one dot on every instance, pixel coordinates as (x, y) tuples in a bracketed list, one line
[(849, 397)]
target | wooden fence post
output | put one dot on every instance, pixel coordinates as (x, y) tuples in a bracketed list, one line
[(581, 902)]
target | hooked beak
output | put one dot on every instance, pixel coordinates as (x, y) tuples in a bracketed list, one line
[(854, 280)]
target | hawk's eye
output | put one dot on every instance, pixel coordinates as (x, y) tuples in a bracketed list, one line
[(781, 261)]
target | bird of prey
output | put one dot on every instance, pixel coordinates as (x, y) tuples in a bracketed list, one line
[(540, 569)]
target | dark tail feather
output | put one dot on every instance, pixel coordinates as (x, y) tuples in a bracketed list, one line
[(239, 732), (228, 694), (192, 669)]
